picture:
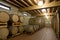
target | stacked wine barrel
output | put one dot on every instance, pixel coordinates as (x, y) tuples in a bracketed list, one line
[(21, 28), (16, 26), (37, 21), (14, 21), (4, 17), (21, 19), (36, 27), (55, 24), (14, 17), (34, 21), (31, 28)]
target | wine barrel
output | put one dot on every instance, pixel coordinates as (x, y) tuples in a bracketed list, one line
[(21, 19), (4, 16), (14, 17), (29, 28), (13, 30), (36, 27), (32, 21), (4, 33), (35, 21), (21, 29)]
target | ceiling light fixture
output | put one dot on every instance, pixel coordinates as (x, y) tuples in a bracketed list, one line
[(4, 7), (46, 15), (40, 3), (25, 14), (43, 10)]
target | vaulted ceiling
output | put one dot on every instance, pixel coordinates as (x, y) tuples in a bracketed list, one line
[(32, 7)]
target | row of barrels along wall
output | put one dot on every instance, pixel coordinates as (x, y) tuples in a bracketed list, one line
[(52, 22), (37, 21), (31, 27), (5, 18), (13, 18)]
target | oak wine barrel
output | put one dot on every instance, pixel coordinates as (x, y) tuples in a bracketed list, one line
[(21, 18), (4, 16), (14, 17), (13, 30), (35, 21), (32, 21), (36, 27), (4, 33), (21, 29), (29, 28)]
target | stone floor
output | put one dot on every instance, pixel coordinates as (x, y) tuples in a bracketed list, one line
[(43, 34)]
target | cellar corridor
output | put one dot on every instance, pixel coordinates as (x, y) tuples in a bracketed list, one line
[(29, 19), (43, 34)]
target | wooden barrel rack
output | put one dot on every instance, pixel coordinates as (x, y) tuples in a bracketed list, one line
[(16, 24), (3, 30), (3, 24)]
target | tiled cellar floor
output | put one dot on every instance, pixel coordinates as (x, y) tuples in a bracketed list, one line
[(43, 34)]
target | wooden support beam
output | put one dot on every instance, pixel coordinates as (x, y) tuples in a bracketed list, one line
[(24, 2), (48, 14), (29, 1), (30, 12), (35, 11), (35, 1), (19, 3), (47, 1), (13, 3), (41, 14), (39, 11), (52, 4)]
